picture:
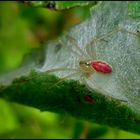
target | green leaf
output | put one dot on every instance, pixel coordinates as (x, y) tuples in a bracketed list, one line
[(34, 90), (69, 4), (60, 5), (134, 9)]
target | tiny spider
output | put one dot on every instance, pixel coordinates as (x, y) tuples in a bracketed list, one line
[(88, 64), (88, 99)]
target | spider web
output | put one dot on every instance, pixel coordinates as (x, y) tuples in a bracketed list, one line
[(121, 50)]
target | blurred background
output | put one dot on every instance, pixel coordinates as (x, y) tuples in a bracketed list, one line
[(22, 29)]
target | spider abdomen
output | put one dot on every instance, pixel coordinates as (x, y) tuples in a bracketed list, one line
[(100, 66)]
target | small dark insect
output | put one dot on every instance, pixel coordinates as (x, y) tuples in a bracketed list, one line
[(89, 99), (51, 5), (138, 31), (58, 47)]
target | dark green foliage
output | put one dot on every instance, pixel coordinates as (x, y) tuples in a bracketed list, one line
[(37, 90)]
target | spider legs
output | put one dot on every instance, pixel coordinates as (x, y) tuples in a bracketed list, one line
[(90, 47), (74, 42)]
